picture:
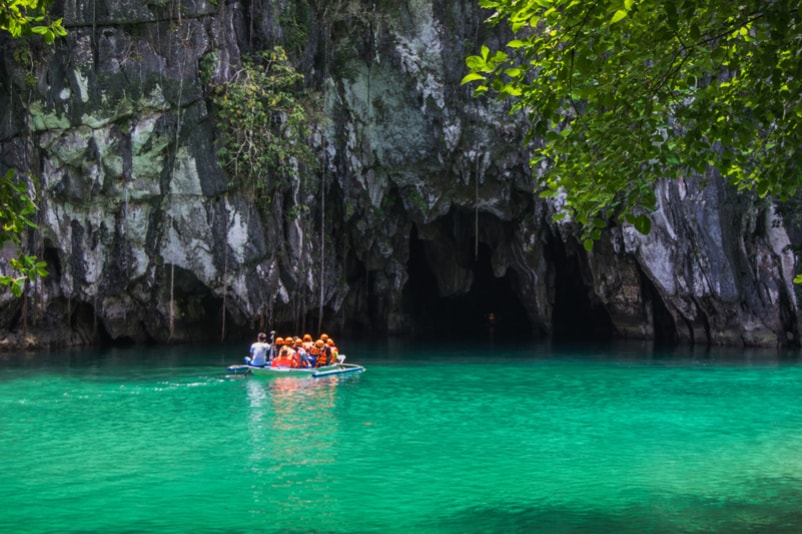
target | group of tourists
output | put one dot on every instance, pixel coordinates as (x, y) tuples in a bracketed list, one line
[(294, 352)]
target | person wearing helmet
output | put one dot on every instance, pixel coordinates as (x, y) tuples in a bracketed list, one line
[(334, 353), (304, 358), (322, 354), (308, 343), (258, 352)]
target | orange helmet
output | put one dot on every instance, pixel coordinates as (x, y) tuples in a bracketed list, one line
[(319, 343), (330, 342), (279, 341), (307, 337), (324, 337)]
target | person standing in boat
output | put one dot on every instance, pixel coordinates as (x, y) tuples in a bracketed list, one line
[(258, 352)]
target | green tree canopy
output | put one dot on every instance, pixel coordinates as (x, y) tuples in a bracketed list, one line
[(622, 93), (24, 18)]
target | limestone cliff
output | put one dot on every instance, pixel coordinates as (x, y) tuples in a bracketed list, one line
[(426, 215)]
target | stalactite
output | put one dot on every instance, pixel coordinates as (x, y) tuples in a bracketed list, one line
[(476, 213), (225, 294), (322, 248), (25, 308), (172, 312), (184, 42)]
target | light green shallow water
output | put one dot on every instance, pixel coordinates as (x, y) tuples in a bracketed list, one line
[(161, 440)]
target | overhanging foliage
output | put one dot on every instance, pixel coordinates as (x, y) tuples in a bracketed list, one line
[(623, 93), (24, 18)]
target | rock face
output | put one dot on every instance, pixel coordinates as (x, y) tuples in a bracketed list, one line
[(426, 216)]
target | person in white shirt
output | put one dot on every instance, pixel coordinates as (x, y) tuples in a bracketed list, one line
[(259, 350)]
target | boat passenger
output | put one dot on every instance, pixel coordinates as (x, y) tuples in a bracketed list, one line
[(258, 351), (333, 351), (313, 353), (322, 356), (286, 347), (304, 359), (286, 354), (308, 342)]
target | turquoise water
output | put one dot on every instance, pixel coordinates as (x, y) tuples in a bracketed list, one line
[(488, 439)]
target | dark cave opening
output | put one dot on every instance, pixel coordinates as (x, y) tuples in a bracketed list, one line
[(665, 328), (467, 315), (577, 315)]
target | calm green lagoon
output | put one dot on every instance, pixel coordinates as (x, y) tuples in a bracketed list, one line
[(490, 438)]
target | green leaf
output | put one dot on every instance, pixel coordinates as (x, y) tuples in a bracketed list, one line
[(475, 62), (618, 16), (471, 77), (643, 224)]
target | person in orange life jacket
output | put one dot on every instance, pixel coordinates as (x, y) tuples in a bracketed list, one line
[(322, 355), (334, 353), (295, 358), (287, 355), (313, 353), (328, 346), (305, 359), (298, 353), (284, 353)]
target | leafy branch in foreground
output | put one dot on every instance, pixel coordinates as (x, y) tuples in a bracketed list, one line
[(22, 19), (623, 93), (25, 18), (15, 208)]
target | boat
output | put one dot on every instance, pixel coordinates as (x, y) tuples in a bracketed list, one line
[(339, 368)]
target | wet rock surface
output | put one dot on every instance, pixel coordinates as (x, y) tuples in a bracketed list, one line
[(426, 217)]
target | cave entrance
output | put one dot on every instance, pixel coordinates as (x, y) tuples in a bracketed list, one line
[(464, 316), (578, 316)]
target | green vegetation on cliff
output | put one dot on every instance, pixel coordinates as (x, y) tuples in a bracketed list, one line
[(626, 92), (265, 123)]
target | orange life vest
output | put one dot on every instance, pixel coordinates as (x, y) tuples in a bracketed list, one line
[(322, 357), (285, 358)]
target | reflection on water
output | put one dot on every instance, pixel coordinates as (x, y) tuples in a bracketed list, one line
[(293, 427)]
